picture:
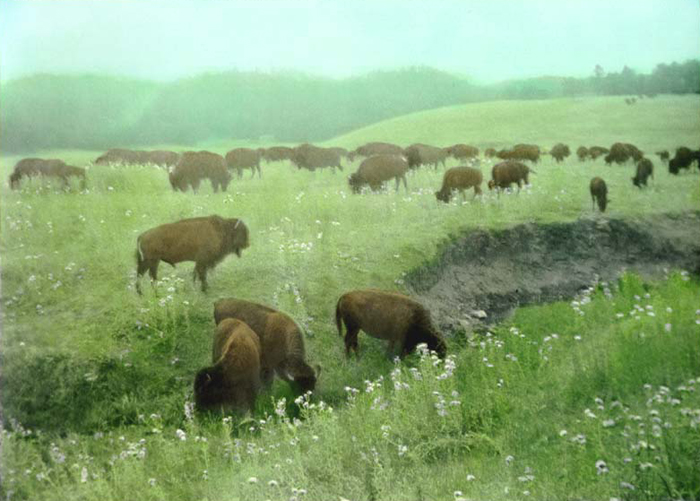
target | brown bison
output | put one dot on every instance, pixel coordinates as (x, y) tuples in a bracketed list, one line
[(233, 382), (529, 152), (560, 151), (597, 151), (506, 173), (307, 156), (375, 171), (277, 154), (683, 159), (424, 154), (599, 193), (162, 158), (281, 341), (376, 148), (664, 155), (244, 158), (402, 321), (204, 240), (459, 178), (582, 153), (120, 156), (462, 151), (644, 169), (490, 152), (32, 167), (342, 152), (194, 166), (621, 152)]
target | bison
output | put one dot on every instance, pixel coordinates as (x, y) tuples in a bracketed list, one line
[(560, 152), (204, 240), (599, 193), (597, 151), (244, 158), (504, 174), (233, 382), (376, 148), (582, 153), (277, 154), (307, 156), (375, 171), (32, 167), (194, 166), (644, 169), (529, 152), (462, 151), (621, 152), (119, 156), (459, 178), (423, 154), (490, 152), (281, 341), (683, 159), (162, 158), (394, 317)]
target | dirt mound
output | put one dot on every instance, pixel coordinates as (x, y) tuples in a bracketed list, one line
[(497, 271)]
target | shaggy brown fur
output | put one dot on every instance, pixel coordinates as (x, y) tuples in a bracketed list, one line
[(244, 158), (560, 152), (118, 156), (644, 169), (281, 340), (462, 151), (582, 153), (204, 240), (162, 158), (683, 159), (277, 154), (194, 166), (529, 152), (342, 152), (32, 167), (506, 173), (375, 171), (599, 193), (490, 152), (376, 148), (622, 152), (399, 319), (233, 382), (664, 155), (459, 178), (307, 156), (424, 154), (597, 151)]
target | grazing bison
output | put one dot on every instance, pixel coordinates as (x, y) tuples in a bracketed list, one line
[(644, 169), (233, 382), (560, 152), (119, 156), (376, 148), (529, 152), (597, 151), (32, 167), (504, 174), (307, 156), (342, 152), (582, 153), (204, 240), (664, 155), (244, 158), (462, 151), (194, 166), (621, 152), (281, 341), (162, 158), (599, 193), (375, 171), (459, 178), (277, 154), (683, 159), (490, 152), (424, 154), (399, 319)]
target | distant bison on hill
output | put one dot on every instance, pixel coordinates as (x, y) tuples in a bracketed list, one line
[(307, 156), (281, 341), (244, 158), (459, 178), (376, 170), (33, 167), (376, 148), (122, 156), (582, 153), (424, 154), (683, 159), (162, 158), (204, 240), (490, 152), (560, 152), (194, 166), (664, 155), (599, 193), (277, 154), (462, 151), (622, 152), (644, 169), (597, 151), (529, 152), (233, 382), (506, 173), (402, 321)]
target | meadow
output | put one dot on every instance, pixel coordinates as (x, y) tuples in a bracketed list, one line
[(96, 381)]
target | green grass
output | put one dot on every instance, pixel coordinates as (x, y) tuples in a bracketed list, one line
[(83, 354)]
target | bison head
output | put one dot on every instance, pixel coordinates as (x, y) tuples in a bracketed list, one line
[(355, 182), (443, 196), (237, 236), (209, 388), (492, 184)]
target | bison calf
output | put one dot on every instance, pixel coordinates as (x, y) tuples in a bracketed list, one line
[(403, 322), (204, 240), (644, 169), (599, 193), (234, 379), (376, 170), (504, 174), (281, 341), (459, 178)]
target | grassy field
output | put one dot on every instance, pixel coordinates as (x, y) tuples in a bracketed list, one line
[(101, 376)]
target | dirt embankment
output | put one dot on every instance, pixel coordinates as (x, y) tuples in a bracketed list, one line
[(497, 271)]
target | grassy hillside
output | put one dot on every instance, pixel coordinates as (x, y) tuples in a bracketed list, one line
[(87, 361)]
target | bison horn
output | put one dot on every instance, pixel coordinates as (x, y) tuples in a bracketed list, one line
[(238, 221)]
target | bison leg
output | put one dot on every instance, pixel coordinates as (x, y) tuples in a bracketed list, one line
[(239, 173), (351, 337), (200, 271)]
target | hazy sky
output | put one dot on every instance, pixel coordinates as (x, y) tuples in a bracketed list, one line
[(485, 39)]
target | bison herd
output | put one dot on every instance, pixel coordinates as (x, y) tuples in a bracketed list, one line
[(253, 342)]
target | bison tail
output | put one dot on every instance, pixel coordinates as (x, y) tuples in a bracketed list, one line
[(139, 251), (338, 318)]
